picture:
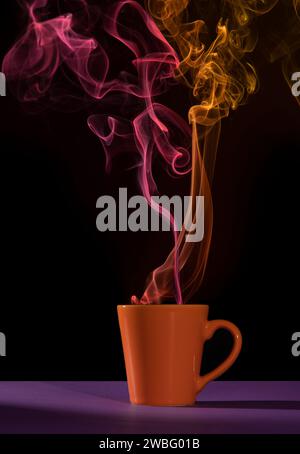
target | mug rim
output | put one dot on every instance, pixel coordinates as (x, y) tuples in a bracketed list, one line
[(173, 305)]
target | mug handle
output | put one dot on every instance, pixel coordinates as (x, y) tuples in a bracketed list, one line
[(210, 329)]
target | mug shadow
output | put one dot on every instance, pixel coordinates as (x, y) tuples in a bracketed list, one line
[(250, 404)]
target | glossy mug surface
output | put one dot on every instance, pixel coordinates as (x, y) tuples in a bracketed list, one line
[(163, 347)]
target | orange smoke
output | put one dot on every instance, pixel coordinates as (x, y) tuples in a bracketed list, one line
[(221, 78)]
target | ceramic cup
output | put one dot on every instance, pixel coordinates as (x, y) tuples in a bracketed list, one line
[(163, 346)]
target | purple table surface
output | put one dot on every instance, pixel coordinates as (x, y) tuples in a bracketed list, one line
[(103, 408)]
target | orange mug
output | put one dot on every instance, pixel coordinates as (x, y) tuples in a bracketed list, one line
[(163, 347)]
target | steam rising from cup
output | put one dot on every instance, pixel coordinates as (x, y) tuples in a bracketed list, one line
[(215, 68)]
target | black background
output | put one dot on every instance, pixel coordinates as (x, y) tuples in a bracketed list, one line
[(61, 280)]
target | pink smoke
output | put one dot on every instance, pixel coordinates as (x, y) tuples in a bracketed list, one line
[(50, 44)]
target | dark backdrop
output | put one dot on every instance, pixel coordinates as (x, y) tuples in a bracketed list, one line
[(61, 280)]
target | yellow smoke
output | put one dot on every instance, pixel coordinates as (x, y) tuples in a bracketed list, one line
[(218, 72)]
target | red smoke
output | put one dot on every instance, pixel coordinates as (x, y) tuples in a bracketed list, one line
[(49, 45)]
